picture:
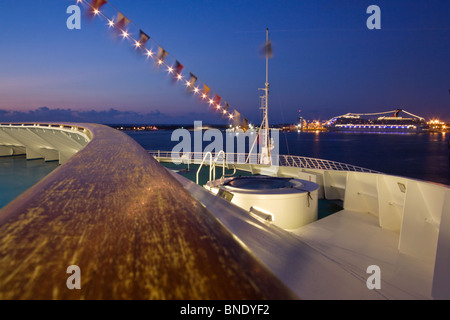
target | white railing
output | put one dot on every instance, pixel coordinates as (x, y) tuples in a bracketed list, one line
[(201, 165), (314, 163), (242, 158), (212, 165)]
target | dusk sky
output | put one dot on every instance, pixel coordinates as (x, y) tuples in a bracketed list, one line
[(326, 62)]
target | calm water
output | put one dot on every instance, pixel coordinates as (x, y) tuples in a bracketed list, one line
[(423, 156)]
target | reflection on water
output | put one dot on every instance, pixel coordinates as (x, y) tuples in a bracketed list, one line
[(424, 156)]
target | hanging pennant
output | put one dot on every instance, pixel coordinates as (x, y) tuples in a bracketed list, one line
[(244, 125), (192, 80), (267, 48), (236, 118), (94, 9), (178, 67), (122, 21), (162, 54), (206, 90), (97, 4), (143, 38), (176, 72), (217, 99), (190, 85)]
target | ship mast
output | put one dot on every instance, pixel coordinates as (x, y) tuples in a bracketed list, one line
[(265, 157)]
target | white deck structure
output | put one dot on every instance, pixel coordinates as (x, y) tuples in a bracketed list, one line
[(399, 224), (49, 141)]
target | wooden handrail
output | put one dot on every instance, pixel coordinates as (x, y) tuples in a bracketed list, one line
[(131, 228)]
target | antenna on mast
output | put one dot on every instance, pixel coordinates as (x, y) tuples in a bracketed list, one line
[(263, 132), (265, 157)]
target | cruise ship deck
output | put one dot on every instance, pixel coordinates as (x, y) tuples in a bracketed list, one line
[(138, 230)]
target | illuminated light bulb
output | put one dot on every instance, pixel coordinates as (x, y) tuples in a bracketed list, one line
[(110, 23), (125, 34), (179, 77), (218, 107), (203, 96), (149, 53), (230, 116), (188, 84), (137, 44), (96, 12), (196, 90), (211, 101), (170, 70), (224, 111), (160, 62)]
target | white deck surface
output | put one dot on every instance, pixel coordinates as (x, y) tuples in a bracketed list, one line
[(326, 259), (354, 241)]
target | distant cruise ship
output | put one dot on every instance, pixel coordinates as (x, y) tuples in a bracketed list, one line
[(366, 122)]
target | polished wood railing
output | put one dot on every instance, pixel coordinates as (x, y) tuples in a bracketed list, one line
[(132, 230)]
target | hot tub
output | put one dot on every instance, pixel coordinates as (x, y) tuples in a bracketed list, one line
[(286, 202)]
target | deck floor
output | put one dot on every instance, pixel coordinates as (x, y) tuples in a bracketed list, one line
[(354, 241), (326, 259)]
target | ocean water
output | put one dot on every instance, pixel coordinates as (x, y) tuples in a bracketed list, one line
[(424, 156)]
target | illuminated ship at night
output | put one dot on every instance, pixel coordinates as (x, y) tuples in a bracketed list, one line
[(366, 122)]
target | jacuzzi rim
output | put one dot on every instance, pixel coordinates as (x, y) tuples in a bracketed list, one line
[(300, 186)]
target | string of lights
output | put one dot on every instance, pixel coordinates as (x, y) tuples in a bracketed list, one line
[(120, 24)]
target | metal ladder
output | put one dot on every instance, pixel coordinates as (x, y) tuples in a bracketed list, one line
[(212, 165)]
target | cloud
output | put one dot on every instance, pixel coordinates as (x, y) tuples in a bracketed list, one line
[(111, 116)]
